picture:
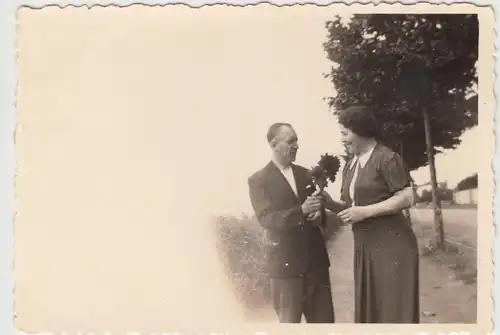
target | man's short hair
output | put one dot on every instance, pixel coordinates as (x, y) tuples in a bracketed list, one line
[(274, 130)]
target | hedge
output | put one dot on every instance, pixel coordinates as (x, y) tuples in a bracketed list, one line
[(241, 250)]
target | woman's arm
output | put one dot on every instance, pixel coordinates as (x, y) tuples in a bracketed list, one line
[(332, 205), (399, 201), (397, 180)]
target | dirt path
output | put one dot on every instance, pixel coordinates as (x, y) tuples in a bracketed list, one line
[(443, 298), (341, 272)]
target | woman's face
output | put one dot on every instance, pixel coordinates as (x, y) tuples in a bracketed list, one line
[(350, 140)]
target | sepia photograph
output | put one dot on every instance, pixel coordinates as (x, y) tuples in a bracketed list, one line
[(234, 169)]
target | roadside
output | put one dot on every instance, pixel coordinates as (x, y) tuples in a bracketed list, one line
[(448, 290), (457, 261), (460, 249), (444, 298), (460, 224)]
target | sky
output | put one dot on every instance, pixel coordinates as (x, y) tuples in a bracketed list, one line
[(293, 68), (211, 97), (454, 165)]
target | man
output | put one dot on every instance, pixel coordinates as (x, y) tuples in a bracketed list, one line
[(283, 197)]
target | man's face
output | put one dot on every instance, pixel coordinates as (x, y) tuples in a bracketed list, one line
[(286, 145)]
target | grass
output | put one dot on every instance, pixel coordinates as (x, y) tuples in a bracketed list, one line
[(241, 249)]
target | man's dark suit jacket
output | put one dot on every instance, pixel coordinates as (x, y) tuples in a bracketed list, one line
[(294, 245)]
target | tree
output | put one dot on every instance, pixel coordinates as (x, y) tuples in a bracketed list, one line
[(443, 192), (417, 72), (426, 196), (383, 60), (467, 183)]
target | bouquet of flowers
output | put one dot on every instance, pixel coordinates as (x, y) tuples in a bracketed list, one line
[(326, 170)]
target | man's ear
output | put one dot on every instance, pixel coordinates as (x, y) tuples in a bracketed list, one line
[(273, 143)]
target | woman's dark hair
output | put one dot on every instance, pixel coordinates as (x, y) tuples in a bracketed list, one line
[(360, 120)]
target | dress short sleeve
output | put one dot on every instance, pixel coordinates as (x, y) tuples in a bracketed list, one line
[(394, 172)]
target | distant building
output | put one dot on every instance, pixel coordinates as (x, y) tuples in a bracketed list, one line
[(466, 191), (465, 197)]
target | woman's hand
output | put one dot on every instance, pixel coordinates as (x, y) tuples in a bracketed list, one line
[(327, 198), (354, 214), (332, 205)]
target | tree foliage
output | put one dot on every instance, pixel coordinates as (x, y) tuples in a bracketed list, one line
[(444, 194), (468, 183), (400, 63)]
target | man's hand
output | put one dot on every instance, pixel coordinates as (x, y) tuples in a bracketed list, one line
[(313, 216), (311, 205), (327, 198)]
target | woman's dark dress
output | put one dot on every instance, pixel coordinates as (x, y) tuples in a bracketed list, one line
[(386, 261)]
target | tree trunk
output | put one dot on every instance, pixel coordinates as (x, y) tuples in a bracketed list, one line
[(406, 212), (438, 217)]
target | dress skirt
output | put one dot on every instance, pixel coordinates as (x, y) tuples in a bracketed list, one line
[(386, 271)]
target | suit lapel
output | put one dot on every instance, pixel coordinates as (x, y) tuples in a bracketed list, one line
[(301, 182), (280, 181)]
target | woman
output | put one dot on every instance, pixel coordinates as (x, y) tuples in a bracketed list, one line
[(375, 190)]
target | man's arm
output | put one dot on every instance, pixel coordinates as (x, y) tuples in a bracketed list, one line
[(267, 215)]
